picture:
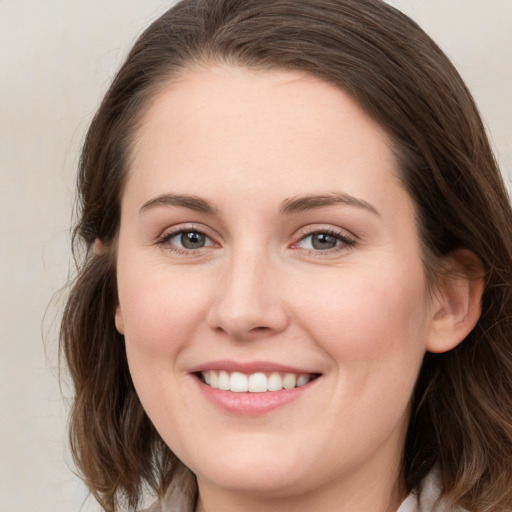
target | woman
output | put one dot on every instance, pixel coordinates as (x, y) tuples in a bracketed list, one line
[(296, 291)]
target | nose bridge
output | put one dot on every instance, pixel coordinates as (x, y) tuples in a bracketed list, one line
[(249, 301)]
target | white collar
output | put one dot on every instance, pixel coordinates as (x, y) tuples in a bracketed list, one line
[(177, 500), (427, 500)]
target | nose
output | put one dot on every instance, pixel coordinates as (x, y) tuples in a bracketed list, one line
[(249, 301)]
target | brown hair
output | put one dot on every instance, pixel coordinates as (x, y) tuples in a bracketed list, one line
[(461, 417)]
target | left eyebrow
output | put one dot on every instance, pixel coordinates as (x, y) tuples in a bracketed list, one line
[(310, 202), (180, 200)]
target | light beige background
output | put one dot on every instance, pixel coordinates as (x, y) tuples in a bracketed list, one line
[(56, 60)]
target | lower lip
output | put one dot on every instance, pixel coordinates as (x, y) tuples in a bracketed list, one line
[(252, 404)]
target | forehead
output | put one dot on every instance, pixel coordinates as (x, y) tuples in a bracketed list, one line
[(262, 100), (261, 130)]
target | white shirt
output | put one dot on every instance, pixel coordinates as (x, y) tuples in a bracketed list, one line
[(426, 500)]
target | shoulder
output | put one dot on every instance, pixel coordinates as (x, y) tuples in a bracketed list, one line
[(169, 505), (427, 498), (156, 507), (176, 499), (180, 495)]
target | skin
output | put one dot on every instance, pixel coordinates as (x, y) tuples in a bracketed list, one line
[(358, 315)]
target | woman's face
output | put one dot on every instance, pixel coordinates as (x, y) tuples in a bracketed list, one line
[(266, 242)]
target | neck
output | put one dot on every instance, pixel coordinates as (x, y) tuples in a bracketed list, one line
[(378, 493)]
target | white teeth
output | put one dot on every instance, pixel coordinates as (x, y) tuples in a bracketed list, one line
[(224, 381), (302, 380), (275, 382), (258, 382), (239, 383), (214, 379), (289, 381)]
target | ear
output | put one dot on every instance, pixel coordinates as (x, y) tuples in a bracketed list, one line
[(457, 303), (119, 320), (99, 248)]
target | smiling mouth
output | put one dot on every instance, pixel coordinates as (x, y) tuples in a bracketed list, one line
[(259, 382)]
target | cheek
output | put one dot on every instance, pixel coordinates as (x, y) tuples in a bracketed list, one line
[(162, 312), (360, 317), (373, 327), (161, 308)]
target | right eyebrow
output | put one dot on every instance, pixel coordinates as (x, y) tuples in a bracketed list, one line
[(304, 203), (183, 201)]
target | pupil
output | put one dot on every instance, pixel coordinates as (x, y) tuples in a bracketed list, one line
[(192, 240), (324, 241)]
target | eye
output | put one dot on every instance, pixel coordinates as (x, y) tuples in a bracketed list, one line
[(324, 241), (186, 240), (190, 239)]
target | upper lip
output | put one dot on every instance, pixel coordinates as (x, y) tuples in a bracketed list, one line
[(248, 367)]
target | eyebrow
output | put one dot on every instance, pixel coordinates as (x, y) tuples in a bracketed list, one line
[(184, 201), (310, 202), (289, 206)]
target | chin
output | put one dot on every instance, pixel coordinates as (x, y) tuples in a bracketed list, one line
[(257, 470), (265, 480)]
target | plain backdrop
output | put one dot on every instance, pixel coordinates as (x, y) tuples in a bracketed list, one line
[(57, 58)]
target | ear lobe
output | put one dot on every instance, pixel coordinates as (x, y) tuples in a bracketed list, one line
[(457, 305), (118, 319), (99, 248)]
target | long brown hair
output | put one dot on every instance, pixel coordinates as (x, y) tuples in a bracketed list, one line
[(461, 420)]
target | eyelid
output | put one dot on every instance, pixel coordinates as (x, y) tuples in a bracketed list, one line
[(173, 231), (346, 238)]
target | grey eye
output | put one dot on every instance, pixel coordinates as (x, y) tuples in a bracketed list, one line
[(192, 239), (323, 241)]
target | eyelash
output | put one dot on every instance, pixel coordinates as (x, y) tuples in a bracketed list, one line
[(345, 241), (167, 237)]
